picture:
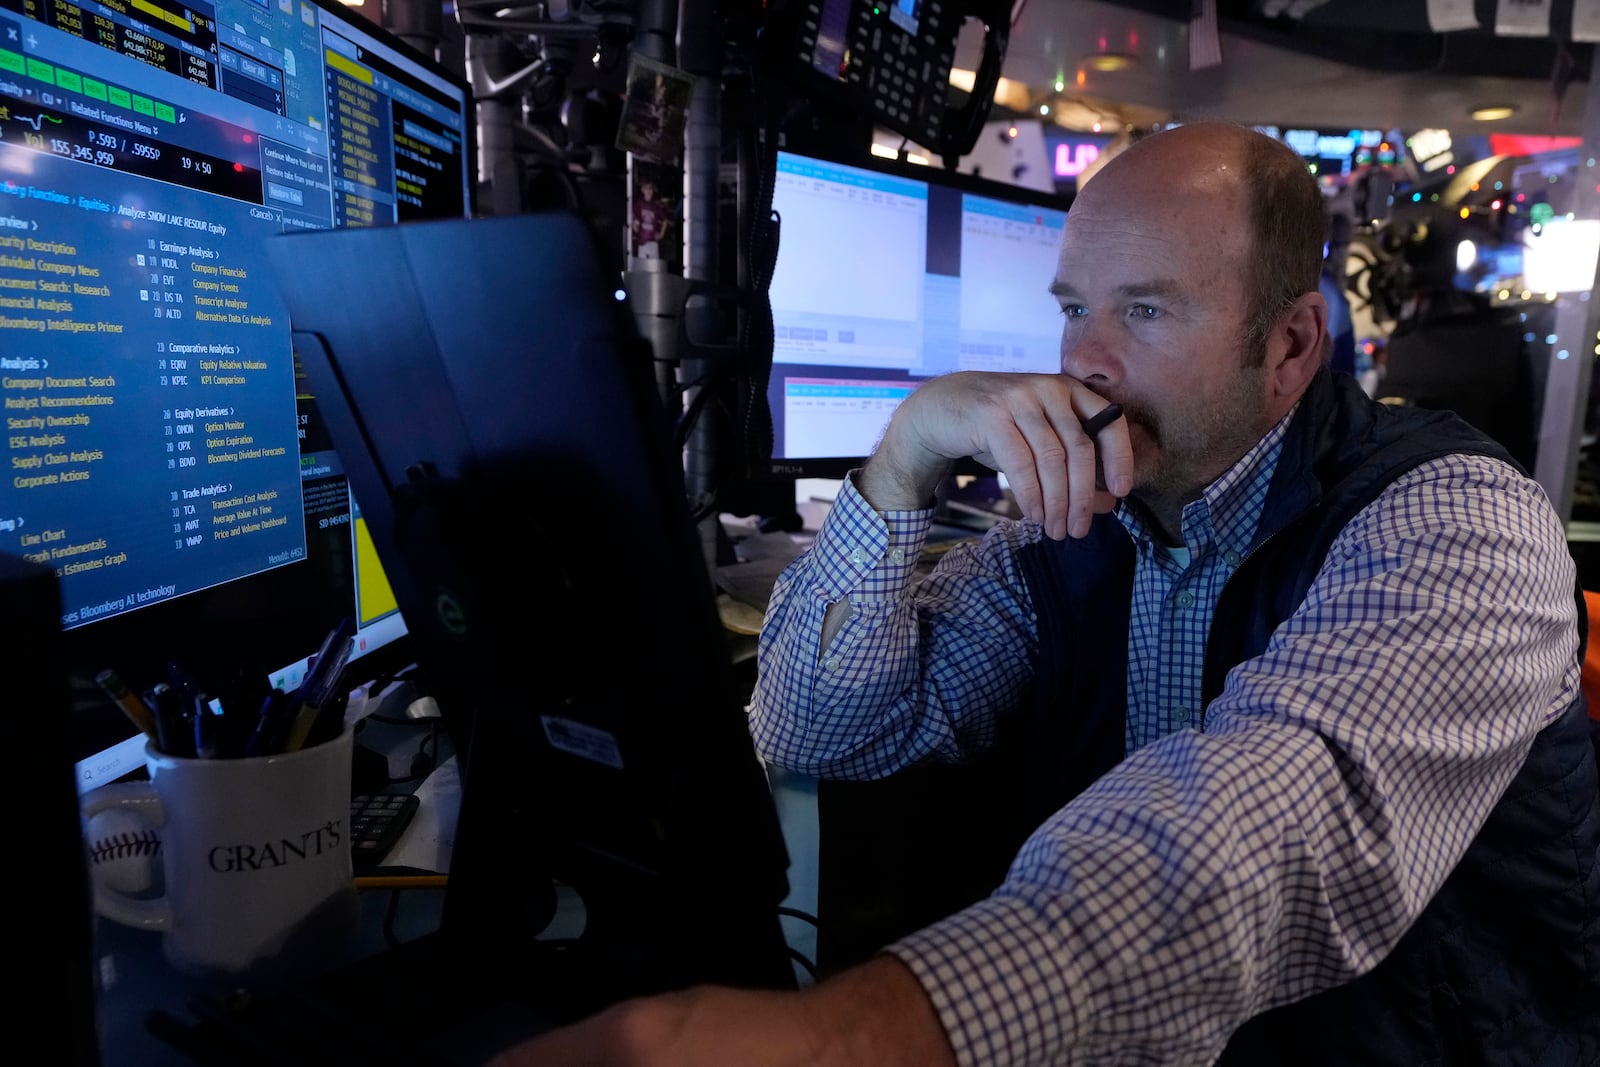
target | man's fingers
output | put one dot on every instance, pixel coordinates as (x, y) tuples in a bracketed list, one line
[(1076, 508), (1114, 448), (1056, 477), (1012, 453), (1063, 448), (1099, 458)]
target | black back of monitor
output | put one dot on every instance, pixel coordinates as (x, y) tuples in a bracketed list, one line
[(502, 435), (60, 967)]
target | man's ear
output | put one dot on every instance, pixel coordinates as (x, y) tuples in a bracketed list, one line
[(1299, 345)]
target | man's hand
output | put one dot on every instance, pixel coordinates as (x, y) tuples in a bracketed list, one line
[(874, 1015), (1027, 426)]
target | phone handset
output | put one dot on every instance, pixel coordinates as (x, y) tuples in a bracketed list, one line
[(962, 126)]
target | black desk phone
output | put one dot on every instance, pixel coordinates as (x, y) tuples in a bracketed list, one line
[(892, 59)]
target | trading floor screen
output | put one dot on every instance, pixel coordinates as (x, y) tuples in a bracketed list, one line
[(154, 441)]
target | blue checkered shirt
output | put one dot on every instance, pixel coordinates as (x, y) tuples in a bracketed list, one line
[(1231, 863)]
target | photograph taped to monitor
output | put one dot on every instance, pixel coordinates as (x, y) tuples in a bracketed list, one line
[(654, 213), (655, 110)]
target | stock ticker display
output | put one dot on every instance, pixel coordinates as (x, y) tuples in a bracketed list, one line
[(155, 443)]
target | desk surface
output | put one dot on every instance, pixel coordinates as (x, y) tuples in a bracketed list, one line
[(383, 999), (139, 990), (386, 983), (141, 994)]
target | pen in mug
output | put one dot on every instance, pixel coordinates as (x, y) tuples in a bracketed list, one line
[(319, 685), (207, 727), (267, 740), (174, 728), (134, 708)]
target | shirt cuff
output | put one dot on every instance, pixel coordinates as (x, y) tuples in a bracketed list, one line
[(1002, 986), (863, 552)]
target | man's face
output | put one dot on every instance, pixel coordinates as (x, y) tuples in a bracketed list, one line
[(1150, 280)]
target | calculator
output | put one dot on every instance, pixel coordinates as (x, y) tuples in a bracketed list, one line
[(376, 822)]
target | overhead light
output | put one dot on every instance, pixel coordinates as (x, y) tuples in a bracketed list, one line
[(1107, 62), (1007, 91), (1011, 93), (1494, 113)]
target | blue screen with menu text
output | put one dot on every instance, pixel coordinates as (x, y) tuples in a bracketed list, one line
[(156, 443)]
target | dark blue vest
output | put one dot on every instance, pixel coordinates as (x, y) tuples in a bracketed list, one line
[(1503, 966)]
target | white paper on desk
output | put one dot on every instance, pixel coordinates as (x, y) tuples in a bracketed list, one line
[(764, 557), (1586, 20), (429, 841), (750, 583), (1447, 15), (1522, 18), (775, 545)]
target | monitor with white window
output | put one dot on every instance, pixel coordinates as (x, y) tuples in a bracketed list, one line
[(890, 275)]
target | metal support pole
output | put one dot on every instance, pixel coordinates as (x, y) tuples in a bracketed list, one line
[(419, 23), (500, 173), (699, 53), (654, 292), (1572, 357), (655, 30)]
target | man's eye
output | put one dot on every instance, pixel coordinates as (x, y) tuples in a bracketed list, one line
[(1074, 311), (1145, 312)]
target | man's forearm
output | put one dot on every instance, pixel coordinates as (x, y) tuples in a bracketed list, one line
[(878, 1014), (901, 476), (844, 641), (873, 1015), (888, 482)]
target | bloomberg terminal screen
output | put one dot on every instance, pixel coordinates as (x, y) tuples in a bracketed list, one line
[(154, 441)]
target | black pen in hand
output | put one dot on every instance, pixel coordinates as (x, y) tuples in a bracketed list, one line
[(1102, 418), (1092, 426)]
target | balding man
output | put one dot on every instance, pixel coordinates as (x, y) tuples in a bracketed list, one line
[(1309, 775)]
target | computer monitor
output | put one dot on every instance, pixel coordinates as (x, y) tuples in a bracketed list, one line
[(162, 453), (500, 422), (887, 276)]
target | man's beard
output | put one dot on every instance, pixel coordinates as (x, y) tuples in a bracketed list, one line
[(1194, 447)]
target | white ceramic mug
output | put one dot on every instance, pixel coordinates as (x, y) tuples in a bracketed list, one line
[(255, 858)]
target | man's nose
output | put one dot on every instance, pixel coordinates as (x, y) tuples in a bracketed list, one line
[(1088, 355)]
